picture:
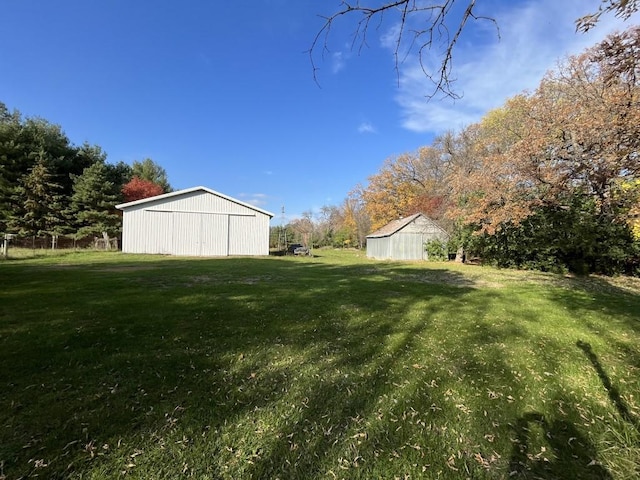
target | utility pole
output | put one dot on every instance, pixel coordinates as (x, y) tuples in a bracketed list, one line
[(282, 235)]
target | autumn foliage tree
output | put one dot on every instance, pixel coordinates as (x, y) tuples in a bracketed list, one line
[(577, 134), (549, 180), (149, 170), (407, 184), (490, 188), (552, 169), (356, 223), (137, 189)]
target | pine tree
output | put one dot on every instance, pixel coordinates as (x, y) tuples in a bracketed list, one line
[(93, 203), (38, 202)]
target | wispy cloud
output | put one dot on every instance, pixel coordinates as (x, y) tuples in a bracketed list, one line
[(366, 127), (255, 199), (338, 61), (534, 36)]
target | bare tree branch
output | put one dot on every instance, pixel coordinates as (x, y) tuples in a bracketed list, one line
[(422, 26)]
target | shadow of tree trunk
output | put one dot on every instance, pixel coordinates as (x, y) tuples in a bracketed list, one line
[(612, 391)]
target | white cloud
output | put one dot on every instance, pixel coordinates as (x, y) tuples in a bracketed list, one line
[(255, 199), (534, 36), (339, 58), (337, 61), (366, 127)]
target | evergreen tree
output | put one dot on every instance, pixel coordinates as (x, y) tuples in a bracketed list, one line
[(38, 203), (93, 203), (119, 174), (9, 175)]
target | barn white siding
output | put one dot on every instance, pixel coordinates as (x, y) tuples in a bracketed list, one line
[(379, 247), (194, 222), (248, 237)]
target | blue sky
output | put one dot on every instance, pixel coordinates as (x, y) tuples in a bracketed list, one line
[(222, 94)]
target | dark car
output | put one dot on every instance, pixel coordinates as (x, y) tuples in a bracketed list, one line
[(297, 249)]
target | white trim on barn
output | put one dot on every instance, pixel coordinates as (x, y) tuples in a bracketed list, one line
[(196, 221), (404, 239)]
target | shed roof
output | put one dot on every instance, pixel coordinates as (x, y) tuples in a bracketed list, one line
[(394, 226), (124, 206)]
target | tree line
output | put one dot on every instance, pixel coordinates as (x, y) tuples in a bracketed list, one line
[(337, 226), (50, 187), (550, 180)]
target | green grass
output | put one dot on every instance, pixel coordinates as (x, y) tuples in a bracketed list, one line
[(336, 366)]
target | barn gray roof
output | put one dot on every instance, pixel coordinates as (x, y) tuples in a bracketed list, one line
[(394, 226)]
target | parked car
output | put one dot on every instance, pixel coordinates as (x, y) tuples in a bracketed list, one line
[(297, 249)]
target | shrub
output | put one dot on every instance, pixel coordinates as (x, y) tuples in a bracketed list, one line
[(437, 250)]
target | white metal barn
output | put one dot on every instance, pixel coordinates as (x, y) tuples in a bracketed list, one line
[(404, 239), (197, 221)]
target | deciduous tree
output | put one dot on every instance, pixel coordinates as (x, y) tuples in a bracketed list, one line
[(304, 228), (137, 189), (356, 221), (489, 187), (560, 163), (407, 184), (584, 131), (149, 170), (621, 8)]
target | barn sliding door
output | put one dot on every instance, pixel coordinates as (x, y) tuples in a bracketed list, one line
[(186, 233), (157, 236), (197, 234), (215, 235)]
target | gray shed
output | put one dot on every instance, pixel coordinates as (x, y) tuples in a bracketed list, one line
[(404, 239), (197, 221)]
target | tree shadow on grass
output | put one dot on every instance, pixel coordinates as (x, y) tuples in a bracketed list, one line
[(570, 454), (256, 368), (593, 294), (108, 357), (612, 391)]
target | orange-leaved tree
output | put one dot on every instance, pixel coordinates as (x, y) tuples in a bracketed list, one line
[(137, 189), (577, 135), (488, 185), (407, 184)]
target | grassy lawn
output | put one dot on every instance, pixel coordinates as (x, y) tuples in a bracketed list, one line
[(115, 365)]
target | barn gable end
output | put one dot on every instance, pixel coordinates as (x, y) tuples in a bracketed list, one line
[(195, 222), (404, 239)]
